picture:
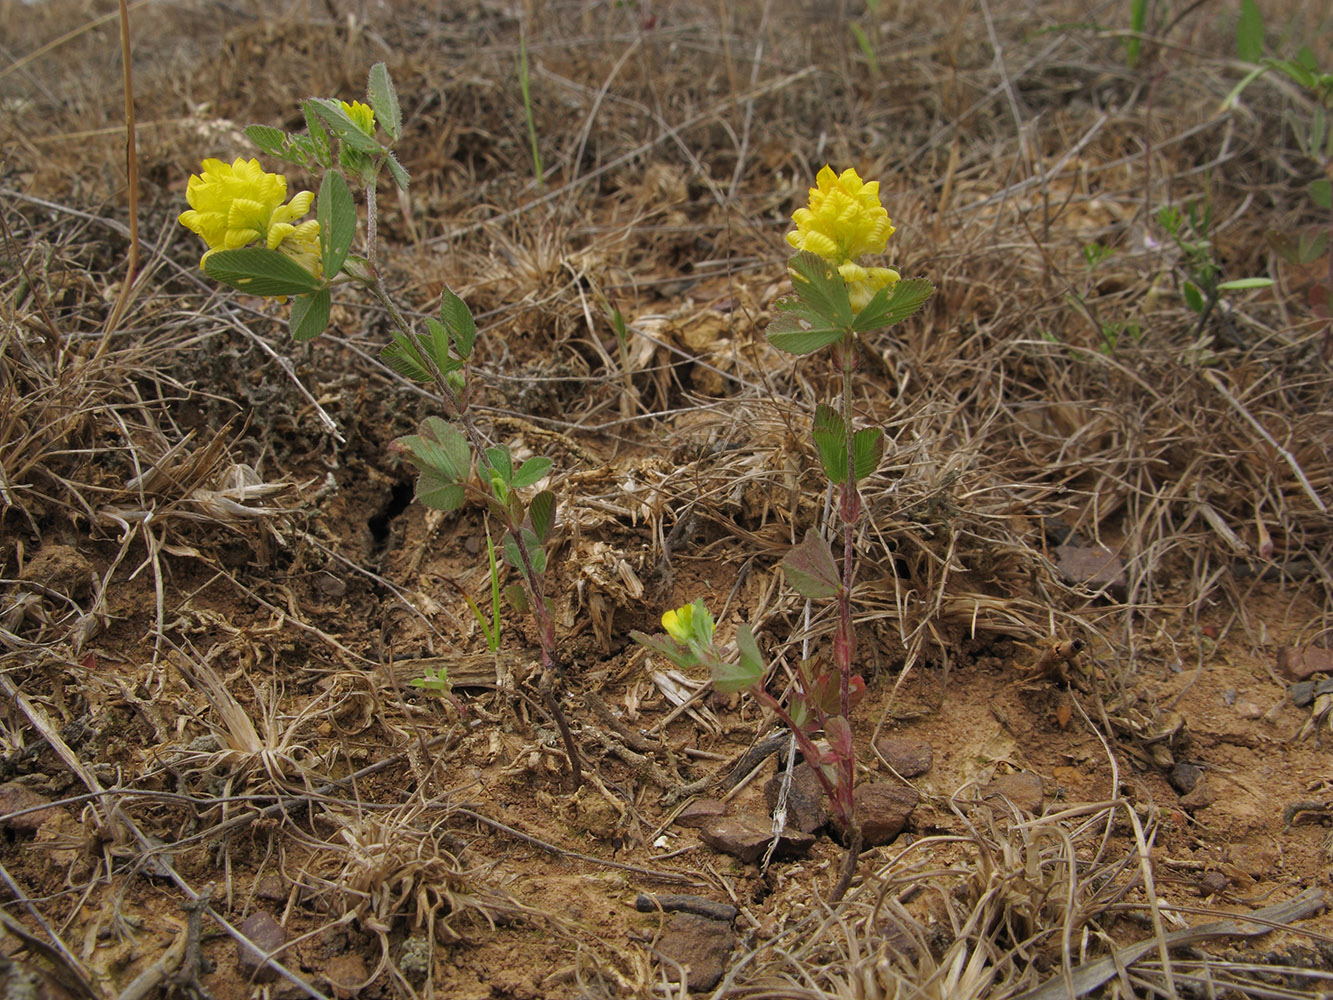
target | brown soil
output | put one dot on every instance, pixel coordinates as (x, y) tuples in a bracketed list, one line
[(210, 686)]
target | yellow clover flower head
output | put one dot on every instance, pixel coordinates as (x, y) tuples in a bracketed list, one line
[(844, 221), (235, 205), (363, 115)]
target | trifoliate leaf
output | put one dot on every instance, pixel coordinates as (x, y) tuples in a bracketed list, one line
[(336, 213), (335, 120), (517, 597), (819, 285), (810, 568), (384, 99), (542, 512), (260, 271), (893, 304), (868, 447), (270, 140), (830, 434), (667, 648), (396, 171), (799, 331), (439, 492), (310, 315), (533, 547), (407, 356), (531, 472), (744, 674), (440, 446), (456, 316), (500, 463)]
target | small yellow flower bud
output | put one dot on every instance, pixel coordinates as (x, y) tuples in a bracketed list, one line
[(363, 115), (679, 624)]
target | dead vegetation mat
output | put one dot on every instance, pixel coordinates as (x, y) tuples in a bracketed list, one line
[(1082, 563)]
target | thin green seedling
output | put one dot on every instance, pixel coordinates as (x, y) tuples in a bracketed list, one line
[(1203, 286), (863, 38), (527, 106), (1138, 20), (1309, 123)]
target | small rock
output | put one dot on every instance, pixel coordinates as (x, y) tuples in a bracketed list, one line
[(700, 811), (882, 810), (746, 837), (346, 975), (1184, 777), (330, 585), (1302, 693), (1200, 797), (700, 946), (807, 805), (700, 906), (268, 936), (1093, 566), (909, 758), (1299, 662), (1022, 788), (1211, 883), (1254, 860), (272, 888), (1247, 709), (14, 798)]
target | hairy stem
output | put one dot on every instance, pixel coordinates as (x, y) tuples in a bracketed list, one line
[(844, 646)]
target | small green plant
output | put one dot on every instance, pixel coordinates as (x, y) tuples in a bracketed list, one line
[(1138, 21), (1109, 331), (257, 244), (863, 39), (1309, 124), (523, 87), (837, 301), (1203, 285)]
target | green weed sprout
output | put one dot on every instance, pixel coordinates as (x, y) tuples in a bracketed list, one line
[(838, 299), (258, 243), (1311, 127), (1203, 286)]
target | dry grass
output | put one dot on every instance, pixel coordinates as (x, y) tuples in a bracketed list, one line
[(190, 505)]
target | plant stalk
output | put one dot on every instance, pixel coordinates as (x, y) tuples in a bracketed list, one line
[(531, 579)]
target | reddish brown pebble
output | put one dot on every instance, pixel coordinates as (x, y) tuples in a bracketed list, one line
[(700, 811), (909, 758), (1299, 662), (882, 810), (1247, 709), (346, 975), (1201, 797), (697, 945), (1184, 777), (1022, 788), (746, 837), (14, 799), (268, 936), (1211, 883)]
